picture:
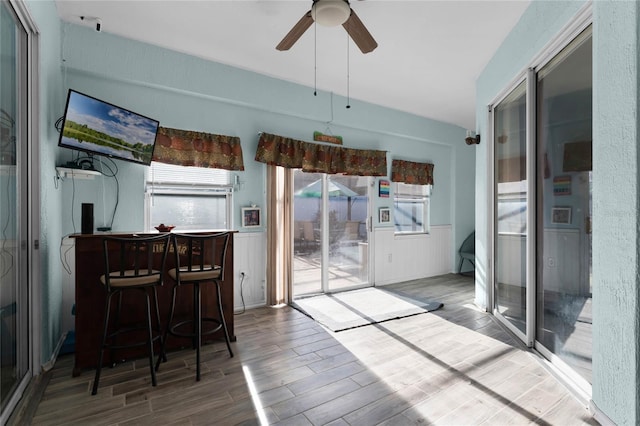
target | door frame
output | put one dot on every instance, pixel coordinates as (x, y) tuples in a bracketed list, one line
[(29, 241), (528, 336), (581, 21)]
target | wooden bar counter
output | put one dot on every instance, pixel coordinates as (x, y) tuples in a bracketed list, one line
[(90, 299)]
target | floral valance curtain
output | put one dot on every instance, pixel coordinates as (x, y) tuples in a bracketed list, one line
[(411, 172), (313, 157), (189, 148)]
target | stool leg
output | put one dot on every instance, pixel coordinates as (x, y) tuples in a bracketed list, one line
[(168, 326), (196, 303), (163, 354), (198, 326), (116, 327), (224, 323), (107, 308), (150, 329)]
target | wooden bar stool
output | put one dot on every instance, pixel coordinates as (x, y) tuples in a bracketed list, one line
[(132, 264), (199, 259)]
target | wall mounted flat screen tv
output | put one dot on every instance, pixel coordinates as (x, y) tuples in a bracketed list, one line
[(101, 128)]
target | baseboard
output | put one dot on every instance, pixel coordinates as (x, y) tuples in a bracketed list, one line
[(238, 309), (397, 280), (599, 416), (28, 404), (49, 364)]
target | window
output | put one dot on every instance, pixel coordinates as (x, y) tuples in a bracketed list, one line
[(190, 198), (411, 208)]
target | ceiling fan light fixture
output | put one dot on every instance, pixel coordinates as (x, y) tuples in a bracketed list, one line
[(330, 13)]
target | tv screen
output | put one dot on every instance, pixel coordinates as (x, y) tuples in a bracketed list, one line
[(101, 128)]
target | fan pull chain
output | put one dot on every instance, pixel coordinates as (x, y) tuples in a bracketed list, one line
[(315, 59), (348, 103)]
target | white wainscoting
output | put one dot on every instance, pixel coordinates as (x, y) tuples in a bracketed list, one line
[(396, 259), (562, 267), (563, 262), (399, 258), (249, 256), (512, 259)]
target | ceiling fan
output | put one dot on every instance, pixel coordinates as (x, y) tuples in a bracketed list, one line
[(331, 13)]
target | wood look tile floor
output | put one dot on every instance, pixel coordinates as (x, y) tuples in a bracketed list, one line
[(455, 366)]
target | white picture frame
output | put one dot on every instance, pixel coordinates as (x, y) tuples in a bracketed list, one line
[(251, 217), (561, 215), (384, 215)]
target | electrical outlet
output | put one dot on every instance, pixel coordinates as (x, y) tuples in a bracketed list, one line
[(243, 274), (390, 258)]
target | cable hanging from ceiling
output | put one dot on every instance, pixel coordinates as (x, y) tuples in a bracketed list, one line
[(348, 97), (315, 67), (315, 59)]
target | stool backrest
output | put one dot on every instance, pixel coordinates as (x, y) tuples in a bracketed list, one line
[(200, 252), (142, 257)]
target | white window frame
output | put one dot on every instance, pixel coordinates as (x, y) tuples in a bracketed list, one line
[(400, 195), (173, 186)]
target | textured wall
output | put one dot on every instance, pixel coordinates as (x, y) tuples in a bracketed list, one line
[(615, 211), (51, 95)]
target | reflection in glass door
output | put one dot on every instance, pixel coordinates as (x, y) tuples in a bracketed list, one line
[(511, 209), (564, 111), (542, 221), (348, 239), (13, 208), (307, 219), (330, 236)]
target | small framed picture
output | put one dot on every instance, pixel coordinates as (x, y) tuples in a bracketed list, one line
[(385, 215), (561, 215), (251, 217), (383, 188)]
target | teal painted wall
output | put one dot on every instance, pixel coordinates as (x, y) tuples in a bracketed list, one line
[(190, 93), (616, 202), (186, 92), (51, 95), (615, 387)]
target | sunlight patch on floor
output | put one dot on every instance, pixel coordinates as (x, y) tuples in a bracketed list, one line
[(254, 396)]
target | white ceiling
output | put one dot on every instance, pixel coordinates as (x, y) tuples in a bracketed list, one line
[(429, 53)]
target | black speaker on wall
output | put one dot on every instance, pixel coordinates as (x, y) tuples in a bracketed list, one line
[(87, 218)]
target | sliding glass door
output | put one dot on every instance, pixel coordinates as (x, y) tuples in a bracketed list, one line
[(542, 286), (330, 233), (307, 219), (511, 208), (563, 187), (14, 344), (348, 237)]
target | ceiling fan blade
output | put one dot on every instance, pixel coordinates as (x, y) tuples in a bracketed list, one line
[(359, 33), (296, 32)]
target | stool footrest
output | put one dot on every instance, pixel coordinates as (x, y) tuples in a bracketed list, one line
[(174, 329), (130, 345)]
